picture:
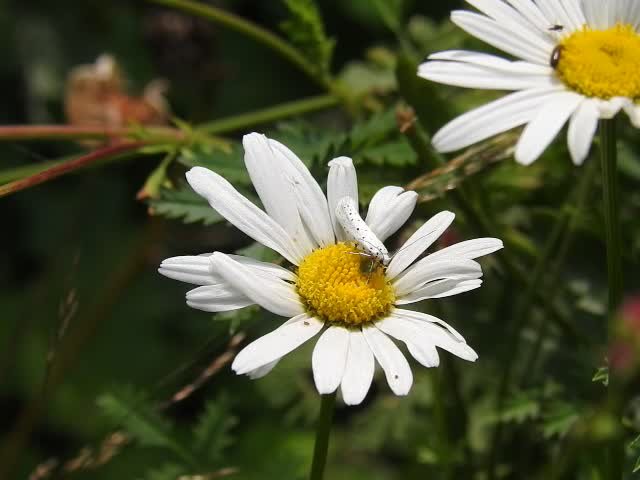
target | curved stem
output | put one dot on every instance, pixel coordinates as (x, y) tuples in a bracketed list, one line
[(268, 115), (323, 430), (68, 166), (247, 28)]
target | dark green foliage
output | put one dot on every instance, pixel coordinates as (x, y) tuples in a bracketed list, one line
[(184, 204), (306, 30)]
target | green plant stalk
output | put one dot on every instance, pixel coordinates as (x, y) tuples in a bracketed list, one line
[(323, 429), (560, 231), (609, 160), (268, 115), (247, 28), (573, 213), (70, 165)]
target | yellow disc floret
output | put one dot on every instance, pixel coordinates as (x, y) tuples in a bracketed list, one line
[(601, 63), (340, 285)]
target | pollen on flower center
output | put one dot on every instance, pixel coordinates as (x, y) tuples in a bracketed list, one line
[(337, 286), (601, 63)]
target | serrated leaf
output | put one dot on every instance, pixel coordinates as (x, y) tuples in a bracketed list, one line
[(305, 29), (602, 375), (559, 420), (184, 204), (229, 163), (635, 444), (169, 471), (134, 412), (396, 153), (211, 434)]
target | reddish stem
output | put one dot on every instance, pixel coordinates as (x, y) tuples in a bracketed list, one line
[(42, 132), (68, 166)]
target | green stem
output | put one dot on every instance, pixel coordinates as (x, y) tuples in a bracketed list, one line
[(615, 451), (612, 223), (268, 115), (247, 28), (323, 429), (70, 165)]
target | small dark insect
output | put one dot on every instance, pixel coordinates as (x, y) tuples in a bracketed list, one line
[(306, 323), (555, 56), (556, 28)]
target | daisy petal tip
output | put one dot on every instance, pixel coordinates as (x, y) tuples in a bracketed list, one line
[(341, 162)]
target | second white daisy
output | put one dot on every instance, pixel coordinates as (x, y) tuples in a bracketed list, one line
[(577, 61)]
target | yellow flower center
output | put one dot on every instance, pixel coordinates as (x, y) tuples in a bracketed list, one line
[(601, 63), (340, 285)]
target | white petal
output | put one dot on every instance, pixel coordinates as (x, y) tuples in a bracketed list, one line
[(329, 359), (342, 182), (424, 317), (359, 370), (266, 267), (633, 112), (427, 270), (512, 20), (419, 345), (217, 298), (582, 128), (419, 242), (439, 289), (395, 366), (190, 269), (496, 117), (311, 201), (262, 371), (469, 249), (539, 133), (266, 171), (268, 291), (276, 344), (521, 45), (610, 108), (389, 209), (242, 213), (421, 333), (468, 75)]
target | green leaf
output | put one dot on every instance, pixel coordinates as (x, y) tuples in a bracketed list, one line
[(169, 471), (559, 420), (228, 163), (183, 204), (211, 435), (602, 375), (305, 29), (135, 413)]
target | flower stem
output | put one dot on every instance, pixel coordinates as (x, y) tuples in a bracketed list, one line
[(612, 224), (615, 453), (268, 115), (247, 28), (70, 165), (323, 430)]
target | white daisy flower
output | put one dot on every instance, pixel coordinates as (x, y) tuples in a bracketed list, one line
[(576, 61), (355, 310)]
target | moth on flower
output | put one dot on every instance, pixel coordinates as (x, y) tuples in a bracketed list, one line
[(355, 313), (575, 61)]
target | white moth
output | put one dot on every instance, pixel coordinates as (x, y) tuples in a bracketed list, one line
[(353, 225)]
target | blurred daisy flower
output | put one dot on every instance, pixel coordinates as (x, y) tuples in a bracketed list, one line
[(343, 284), (576, 61)]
